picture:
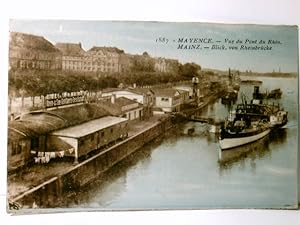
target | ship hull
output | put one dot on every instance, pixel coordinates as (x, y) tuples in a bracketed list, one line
[(228, 143)]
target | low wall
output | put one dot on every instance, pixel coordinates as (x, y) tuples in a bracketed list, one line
[(49, 193)]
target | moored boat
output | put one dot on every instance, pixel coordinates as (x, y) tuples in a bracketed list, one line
[(252, 82), (251, 122), (242, 131)]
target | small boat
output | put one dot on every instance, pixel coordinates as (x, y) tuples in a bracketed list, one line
[(276, 94), (252, 82)]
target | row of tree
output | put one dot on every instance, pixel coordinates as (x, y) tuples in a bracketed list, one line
[(38, 82)]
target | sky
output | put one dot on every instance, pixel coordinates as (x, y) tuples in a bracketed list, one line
[(138, 37)]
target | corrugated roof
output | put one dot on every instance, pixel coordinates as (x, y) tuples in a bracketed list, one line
[(33, 125), (39, 123), (70, 49), (89, 127)]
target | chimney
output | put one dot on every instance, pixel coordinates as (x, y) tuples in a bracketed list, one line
[(113, 98)]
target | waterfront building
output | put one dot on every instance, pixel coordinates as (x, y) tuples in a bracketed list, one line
[(169, 100), (28, 134), (27, 51), (72, 56), (144, 96), (123, 107), (186, 88), (91, 135)]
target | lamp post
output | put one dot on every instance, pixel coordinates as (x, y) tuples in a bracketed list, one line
[(195, 81)]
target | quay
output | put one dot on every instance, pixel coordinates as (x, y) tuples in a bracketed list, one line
[(44, 186)]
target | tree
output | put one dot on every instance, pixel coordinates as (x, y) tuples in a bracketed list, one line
[(190, 70)]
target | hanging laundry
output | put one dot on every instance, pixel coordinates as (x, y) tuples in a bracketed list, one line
[(33, 152), (40, 154), (37, 159), (71, 150), (43, 159), (52, 155), (47, 158)]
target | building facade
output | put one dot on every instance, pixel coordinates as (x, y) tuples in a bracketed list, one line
[(72, 56), (28, 51), (123, 107), (103, 59), (169, 100)]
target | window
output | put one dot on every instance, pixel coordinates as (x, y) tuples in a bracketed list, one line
[(102, 133), (34, 143), (92, 137), (16, 148), (111, 130)]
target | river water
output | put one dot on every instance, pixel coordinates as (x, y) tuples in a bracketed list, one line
[(180, 171)]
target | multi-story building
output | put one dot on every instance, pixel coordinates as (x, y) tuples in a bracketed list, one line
[(72, 56), (103, 59), (28, 51)]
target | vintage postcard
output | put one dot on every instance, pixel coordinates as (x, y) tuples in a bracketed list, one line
[(107, 115)]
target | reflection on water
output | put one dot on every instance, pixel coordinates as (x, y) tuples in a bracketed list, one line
[(116, 176), (183, 170), (258, 149)]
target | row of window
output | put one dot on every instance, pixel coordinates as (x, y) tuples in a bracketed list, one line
[(89, 63), (164, 99), (36, 64)]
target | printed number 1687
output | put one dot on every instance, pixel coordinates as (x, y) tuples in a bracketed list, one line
[(162, 40)]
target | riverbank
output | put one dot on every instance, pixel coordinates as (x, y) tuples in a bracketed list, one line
[(41, 186), (53, 180)]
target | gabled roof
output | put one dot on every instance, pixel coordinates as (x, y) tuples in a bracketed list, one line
[(140, 91), (30, 42), (116, 108), (181, 91), (169, 92), (70, 49), (122, 101)]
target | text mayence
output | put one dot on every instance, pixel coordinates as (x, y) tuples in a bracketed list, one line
[(195, 40)]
